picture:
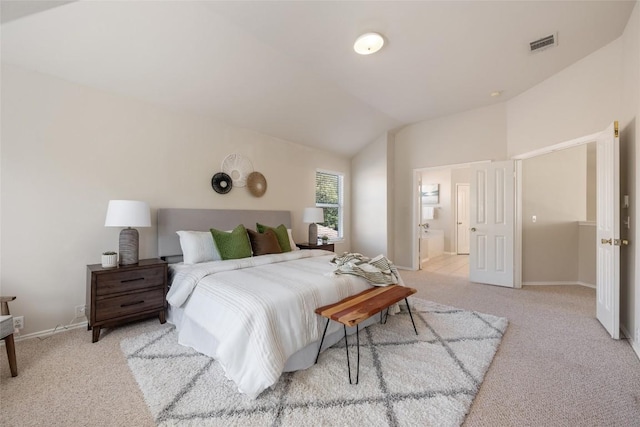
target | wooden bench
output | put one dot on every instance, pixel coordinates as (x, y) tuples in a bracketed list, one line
[(357, 308)]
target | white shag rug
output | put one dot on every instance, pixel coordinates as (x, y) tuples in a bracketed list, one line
[(429, 379)]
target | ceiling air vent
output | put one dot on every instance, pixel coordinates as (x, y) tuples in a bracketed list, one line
[(543, 43)]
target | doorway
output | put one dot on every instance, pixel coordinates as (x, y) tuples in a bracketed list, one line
[(439, 237)]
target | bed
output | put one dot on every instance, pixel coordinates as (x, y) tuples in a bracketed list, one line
[(254, 315)]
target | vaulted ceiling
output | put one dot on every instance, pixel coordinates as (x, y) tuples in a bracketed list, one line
[(288, 69)]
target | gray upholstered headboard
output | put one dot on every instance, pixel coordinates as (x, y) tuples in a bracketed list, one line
[(172, 220)]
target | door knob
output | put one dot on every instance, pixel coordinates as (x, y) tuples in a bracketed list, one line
[(473, 229), (606, 241)]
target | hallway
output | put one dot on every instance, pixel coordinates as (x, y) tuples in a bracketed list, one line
[(448, 265)]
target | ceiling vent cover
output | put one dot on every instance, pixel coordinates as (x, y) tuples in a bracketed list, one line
[(544, 43)]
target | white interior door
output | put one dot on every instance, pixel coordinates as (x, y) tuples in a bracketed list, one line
[(462, 218), (608, 233), (420, 225), (492, 221)]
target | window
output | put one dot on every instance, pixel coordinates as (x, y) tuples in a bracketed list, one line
[(329, 189)]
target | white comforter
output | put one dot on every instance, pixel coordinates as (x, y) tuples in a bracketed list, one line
[(264, 309)]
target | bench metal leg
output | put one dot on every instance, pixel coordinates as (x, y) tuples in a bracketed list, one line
[(386, 316), (411, 315), (358, 341), (346, 344), (322, 340)]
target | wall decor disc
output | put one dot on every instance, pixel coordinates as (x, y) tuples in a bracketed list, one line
[(257, 184), (221, 183), (238, 168)]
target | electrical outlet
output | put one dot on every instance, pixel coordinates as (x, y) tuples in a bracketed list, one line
[(79, 311), (18, 322)]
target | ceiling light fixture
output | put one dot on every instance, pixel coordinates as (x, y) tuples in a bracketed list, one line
[(496, 93), (368, 43)]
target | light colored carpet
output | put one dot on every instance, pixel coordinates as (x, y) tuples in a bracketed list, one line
[(556, 366), (429, 379)]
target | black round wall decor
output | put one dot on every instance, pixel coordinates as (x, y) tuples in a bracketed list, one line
[(221, 183)]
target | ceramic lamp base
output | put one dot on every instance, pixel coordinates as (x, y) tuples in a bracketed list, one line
[(129, 246), (313, 234)]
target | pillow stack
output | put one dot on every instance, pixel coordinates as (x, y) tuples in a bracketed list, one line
[(215, 245)]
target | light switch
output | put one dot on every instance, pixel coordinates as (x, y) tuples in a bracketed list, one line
[(533, 218)]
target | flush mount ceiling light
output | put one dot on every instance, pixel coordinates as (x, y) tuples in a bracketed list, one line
[(368, 43)]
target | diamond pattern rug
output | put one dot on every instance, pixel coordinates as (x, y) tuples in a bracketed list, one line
[(429, 379)]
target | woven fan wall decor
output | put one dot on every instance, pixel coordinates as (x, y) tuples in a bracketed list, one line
[(238, 168)]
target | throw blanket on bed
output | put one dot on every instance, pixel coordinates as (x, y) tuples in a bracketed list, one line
[(379, 271)]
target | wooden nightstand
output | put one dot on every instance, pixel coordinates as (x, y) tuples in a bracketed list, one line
[(327, 247), (129, 292)]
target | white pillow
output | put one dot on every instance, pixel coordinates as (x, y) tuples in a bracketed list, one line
[(293, 244), (198, 246)]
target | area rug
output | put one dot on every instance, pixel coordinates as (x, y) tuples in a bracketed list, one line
[(429, 379)]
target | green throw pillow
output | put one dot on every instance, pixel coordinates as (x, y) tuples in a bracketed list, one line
[(281, 233), (232, 245)]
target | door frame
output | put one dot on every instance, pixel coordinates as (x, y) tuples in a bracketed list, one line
[(518, 167), (417, 175)]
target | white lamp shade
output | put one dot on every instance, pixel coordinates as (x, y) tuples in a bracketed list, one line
[(312, 215), (128, 213)]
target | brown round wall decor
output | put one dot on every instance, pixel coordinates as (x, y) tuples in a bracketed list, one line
[(257, 184), (221, 183)]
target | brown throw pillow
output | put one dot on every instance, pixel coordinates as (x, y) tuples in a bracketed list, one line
[(264, 243)]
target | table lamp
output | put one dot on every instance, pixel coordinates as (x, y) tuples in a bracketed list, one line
[(313, 215), (128, 213)]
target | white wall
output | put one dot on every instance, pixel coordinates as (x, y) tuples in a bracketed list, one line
[(587, 256), (369, 198), (554, 189), (68, 149), (580, 100), (460, 138)]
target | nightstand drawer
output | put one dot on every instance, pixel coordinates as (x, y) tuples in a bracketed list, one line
[(129, 304), (130, 280)]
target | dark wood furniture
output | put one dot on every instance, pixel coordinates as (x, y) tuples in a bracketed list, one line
[(122, 294), (327, 247), (358, 308)]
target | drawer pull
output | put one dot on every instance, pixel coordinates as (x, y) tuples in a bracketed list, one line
[(132, 280), (132, 303)]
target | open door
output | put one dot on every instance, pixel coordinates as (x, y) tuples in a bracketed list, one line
[(492, 222), (608, 230), (420, 225)]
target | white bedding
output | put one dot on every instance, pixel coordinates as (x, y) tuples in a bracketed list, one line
[(257, 311)]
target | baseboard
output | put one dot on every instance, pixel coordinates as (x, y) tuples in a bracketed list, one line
[(55, 330), (586, 285), (634, 344)]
